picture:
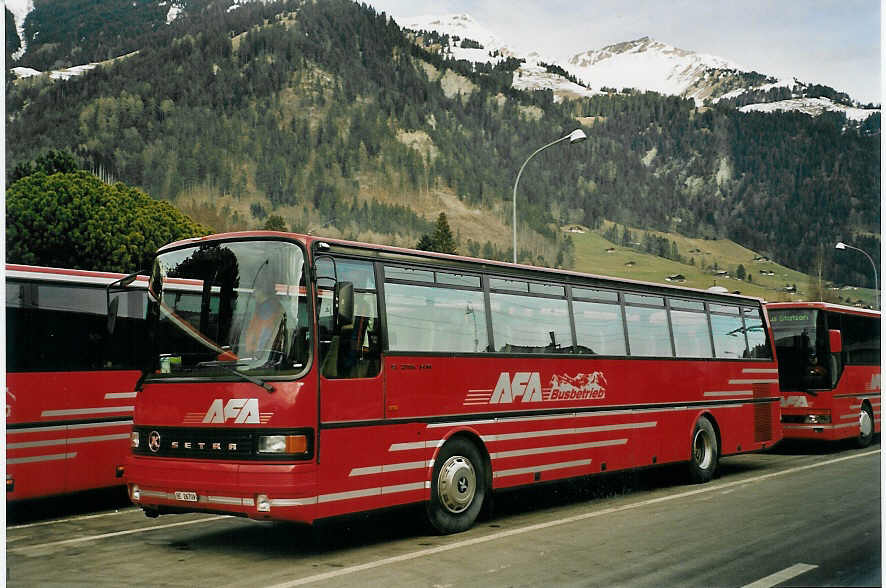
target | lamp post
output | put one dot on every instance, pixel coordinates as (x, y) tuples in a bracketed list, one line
[(841, 246), (575, 136)]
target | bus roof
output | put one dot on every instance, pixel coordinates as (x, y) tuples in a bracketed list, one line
[(829, 306), (432, 256), (58, 274)]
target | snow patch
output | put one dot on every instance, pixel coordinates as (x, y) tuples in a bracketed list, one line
[(812, 107), (173, 13), (20, 10)]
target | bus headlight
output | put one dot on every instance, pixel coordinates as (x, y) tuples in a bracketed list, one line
[(283, 444), (818, 419), (133, 439)]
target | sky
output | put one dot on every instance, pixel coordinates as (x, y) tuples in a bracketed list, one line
[(832, 42)]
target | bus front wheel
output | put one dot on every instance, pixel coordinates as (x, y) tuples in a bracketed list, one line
[(458, 487), (865, 426), (703, 452)]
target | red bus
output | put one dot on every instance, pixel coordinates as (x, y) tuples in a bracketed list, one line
[(829, 370), (70, 386), (300, 378)]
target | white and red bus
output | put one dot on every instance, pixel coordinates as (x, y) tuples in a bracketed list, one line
[(70, 385), (300, 378), (829, 370)]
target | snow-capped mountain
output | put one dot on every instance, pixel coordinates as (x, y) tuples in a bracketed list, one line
[(531, 75), (645, 64)]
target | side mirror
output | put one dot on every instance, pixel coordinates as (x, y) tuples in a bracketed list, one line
[(113, 305), (344, 304), (835, 339), (112, 314)]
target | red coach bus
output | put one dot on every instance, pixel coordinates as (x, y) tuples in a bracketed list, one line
[(70, 386), (829, 370), (301, 378)]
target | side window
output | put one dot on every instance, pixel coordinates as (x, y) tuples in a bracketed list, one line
[(530, 324), (52, 327), (599, 328), (758, 339), (861, 340), (425, 318), (355, 350), (692, 337), (729, 332), (648, 333)]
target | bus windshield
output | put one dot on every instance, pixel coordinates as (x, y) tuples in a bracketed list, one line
[(229, 306), (801, 348)]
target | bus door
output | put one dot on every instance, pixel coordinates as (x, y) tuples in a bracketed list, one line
[(351, 385)]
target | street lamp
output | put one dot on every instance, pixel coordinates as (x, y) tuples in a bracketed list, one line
[(841, 246), (575, 136)]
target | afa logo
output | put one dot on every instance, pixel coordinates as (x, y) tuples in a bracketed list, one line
[(526, 387), (242, 410)]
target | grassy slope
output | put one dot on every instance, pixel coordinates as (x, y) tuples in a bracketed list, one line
[(591, 256)]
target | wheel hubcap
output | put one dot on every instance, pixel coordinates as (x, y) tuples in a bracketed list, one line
[(456, 484), (865, 423), (702, 450)]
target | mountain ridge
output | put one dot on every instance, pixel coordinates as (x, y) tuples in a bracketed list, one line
[(336, 114)]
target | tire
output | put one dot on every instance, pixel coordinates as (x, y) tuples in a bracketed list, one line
[(704, 454), (458, 487), (865, 426)]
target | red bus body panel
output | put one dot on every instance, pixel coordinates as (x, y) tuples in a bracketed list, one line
[(66, 431), (363, 462), (536, 419), (857, 384)]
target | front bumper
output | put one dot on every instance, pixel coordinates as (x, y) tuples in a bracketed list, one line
[(279, 491)]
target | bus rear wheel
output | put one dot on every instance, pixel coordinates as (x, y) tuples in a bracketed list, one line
[(458, 487), (703, 452), (865, 426)]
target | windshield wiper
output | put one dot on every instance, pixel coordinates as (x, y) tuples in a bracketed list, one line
[(231, 366)]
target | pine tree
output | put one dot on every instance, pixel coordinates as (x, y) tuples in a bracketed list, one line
[(442, 239)]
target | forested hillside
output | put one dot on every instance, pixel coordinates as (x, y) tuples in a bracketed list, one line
[(326, 114)]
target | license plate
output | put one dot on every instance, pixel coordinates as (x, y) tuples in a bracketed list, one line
[(186, 496)]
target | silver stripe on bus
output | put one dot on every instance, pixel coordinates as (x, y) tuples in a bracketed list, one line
[(403, 488), (79, 411), (730, 393), (378, 491), (394, 467), (541, 468), (416, 445), (48, 442), (156, 494), (840, 426), (759, 371), (848, 416), (38, 458), (571, 431), (112, 395), (761, 381), (540, 450), (69, 427), (231, 500), (293, 501)]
